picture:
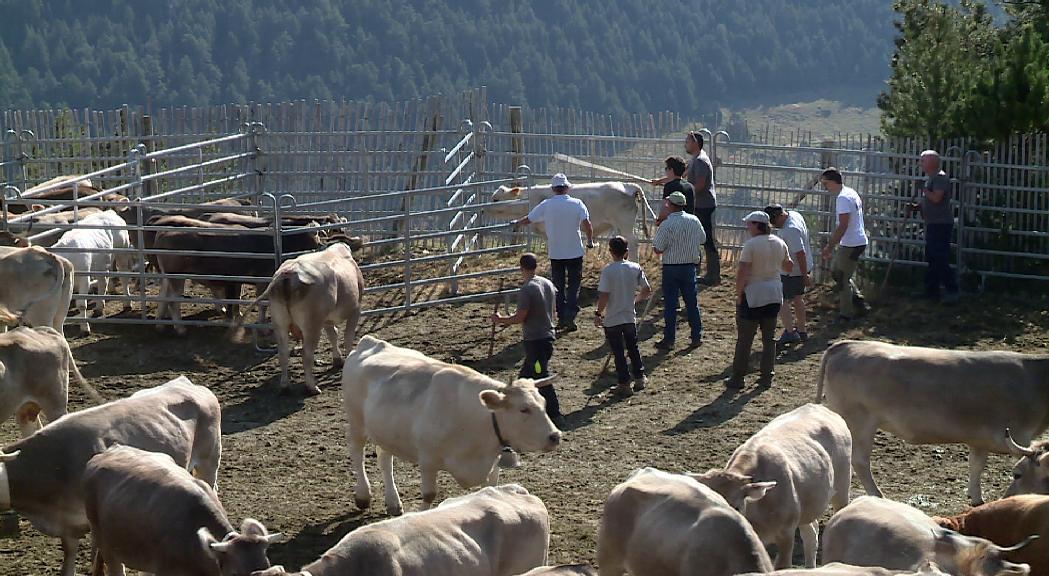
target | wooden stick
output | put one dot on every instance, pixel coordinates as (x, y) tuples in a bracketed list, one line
[(585, 164), (491, 337)]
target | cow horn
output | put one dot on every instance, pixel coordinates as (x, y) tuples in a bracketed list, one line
[(221, 546), (8, 457), (1016, 448), (1025, 542)]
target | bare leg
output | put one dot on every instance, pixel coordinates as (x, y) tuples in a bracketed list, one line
[(799, 314), (977, 462), (393, 499), (786, 317)]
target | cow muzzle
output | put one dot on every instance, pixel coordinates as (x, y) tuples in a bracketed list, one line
[(554, 440)]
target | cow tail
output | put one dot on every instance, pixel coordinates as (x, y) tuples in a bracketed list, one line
[(236, 331), (821, 376), (88, 388)]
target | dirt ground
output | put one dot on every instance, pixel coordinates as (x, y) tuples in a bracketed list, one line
[(285, 459)]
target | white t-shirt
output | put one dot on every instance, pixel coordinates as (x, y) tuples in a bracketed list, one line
[(621, 281), (765, 253), (561, 215), (849, 203), (795, 233)]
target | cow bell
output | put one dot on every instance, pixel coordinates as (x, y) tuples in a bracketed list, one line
[(9, 525), (508, 458)]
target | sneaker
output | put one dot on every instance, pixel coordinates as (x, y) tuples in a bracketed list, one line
[(766, 379), (734, 383), (623, 390), (640, 383), (789, 337), (664, 345), (696, 342), (566, 328)]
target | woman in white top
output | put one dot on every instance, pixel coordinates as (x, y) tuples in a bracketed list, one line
[(759, 295)]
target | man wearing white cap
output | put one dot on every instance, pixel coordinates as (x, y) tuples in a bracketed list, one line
[(759, 295), (563, 216), (677, 242)]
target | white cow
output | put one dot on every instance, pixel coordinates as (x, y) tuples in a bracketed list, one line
[(563, 570), (839, 569), (309, 293), (36, 286), (612, 206), (41, 477), (874, 531), (783, 478), (438, 415), (661, 524), (931, 396), (90, 251), (496, 531)]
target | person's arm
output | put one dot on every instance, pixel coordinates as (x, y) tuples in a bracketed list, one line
[(517, 318), (801, 259), (699, 179), (787, 264), (602, 304), (742, 275), (588, 229), (843, 225), (661, 241), (660, 181), (522, 222)]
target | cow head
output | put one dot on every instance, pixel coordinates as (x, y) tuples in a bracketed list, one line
[(1031, 472), (738, 489), (9, 239), (520, 412), (507, 194), (240, 554), (971, 555)]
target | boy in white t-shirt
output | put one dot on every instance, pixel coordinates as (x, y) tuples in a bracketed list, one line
[(850, 238), (622, 285)]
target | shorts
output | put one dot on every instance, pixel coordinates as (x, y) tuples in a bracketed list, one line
[(793, 286)]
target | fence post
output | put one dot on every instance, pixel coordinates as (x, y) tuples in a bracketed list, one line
[(517, 140), (151, 146), (406, 206)]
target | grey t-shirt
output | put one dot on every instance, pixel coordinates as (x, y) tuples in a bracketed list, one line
[(700, 167), (938, 213), (621, 280), (538, 296)]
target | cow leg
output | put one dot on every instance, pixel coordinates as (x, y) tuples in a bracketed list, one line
[(204, 463), (493, 474), (280, 332), (177, 288), (842, 484), (28, 418), (809, 540), (83, 285), (393, 499), (428, 483), (350, 332), (69, 548), (977, 462), (311, 337), (862, 445), (332, 334), (784, 549), (362, 491)]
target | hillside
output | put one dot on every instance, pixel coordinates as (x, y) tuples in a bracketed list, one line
[(624, 55)]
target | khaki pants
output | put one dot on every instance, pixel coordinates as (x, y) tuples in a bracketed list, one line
[(846, 258)]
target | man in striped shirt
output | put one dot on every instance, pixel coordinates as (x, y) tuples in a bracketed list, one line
[(677, 241)]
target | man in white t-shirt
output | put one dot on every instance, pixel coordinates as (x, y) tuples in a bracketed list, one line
[(563, 216), (850, 238), (791, 228)]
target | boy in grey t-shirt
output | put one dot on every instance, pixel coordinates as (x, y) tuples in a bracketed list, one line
[(617, 294), (535, 313)]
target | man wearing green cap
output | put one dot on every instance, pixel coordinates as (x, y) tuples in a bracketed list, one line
[(677, 242)]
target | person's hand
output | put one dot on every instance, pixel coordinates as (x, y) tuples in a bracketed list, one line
[(655, 182), (591, 244), (599, 321), (912, 207), (827, 253), (808, 280)]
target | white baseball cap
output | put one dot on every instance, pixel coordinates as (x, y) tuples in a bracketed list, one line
[(559, 179), (757, 216)]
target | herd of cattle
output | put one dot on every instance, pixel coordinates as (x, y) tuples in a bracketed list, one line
[(140, 473)]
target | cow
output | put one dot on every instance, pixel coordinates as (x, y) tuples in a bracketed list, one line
[(612, 206), (62, 192), (33, 224), (1008, 522), (563, 570), (197, 240), (286, 220), (495, 531), (41, 477), (149, 514), (783, 478), (132, 216), (91, 251), (307, 294), (839, 569), (1031, 471), (661, 524), (37, 285), (438, 415), (873, 531), (34, 376), (930, 396)]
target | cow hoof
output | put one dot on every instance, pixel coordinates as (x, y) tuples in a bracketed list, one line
[(312, 391), (395, 510), (362, 503)]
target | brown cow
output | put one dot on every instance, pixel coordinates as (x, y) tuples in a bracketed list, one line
[(1008, 522)]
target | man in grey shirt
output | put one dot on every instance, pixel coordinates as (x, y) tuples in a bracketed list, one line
[(617, 295), (701, 175), (935, 207), (535, 313)]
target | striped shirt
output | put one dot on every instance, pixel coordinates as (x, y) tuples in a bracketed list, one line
[(679, 238)]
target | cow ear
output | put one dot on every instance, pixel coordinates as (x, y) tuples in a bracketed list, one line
[(757, 490), (252, 527), (36, 207), (1043, 460), (515, 192), (492, 399)]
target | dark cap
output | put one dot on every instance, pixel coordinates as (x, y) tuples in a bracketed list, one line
[(773, 210)]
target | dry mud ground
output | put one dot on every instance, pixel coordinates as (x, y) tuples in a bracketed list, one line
[(285, 458)]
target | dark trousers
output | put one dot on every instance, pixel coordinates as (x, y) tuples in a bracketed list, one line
[(567, 277), (540, 351), (938, 255), (680, 279), (623, 341), (710, 247), (748, 321)]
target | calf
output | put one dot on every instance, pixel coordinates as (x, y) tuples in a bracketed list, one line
[(803, 456), (309, 293), (441, 416), (34, 376), (661, 524), (1008, 522), (36, 286), (149, 514), (930, 396), (496, 531), (41, 477), (90, 250), (877, 532), (563, 570)]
